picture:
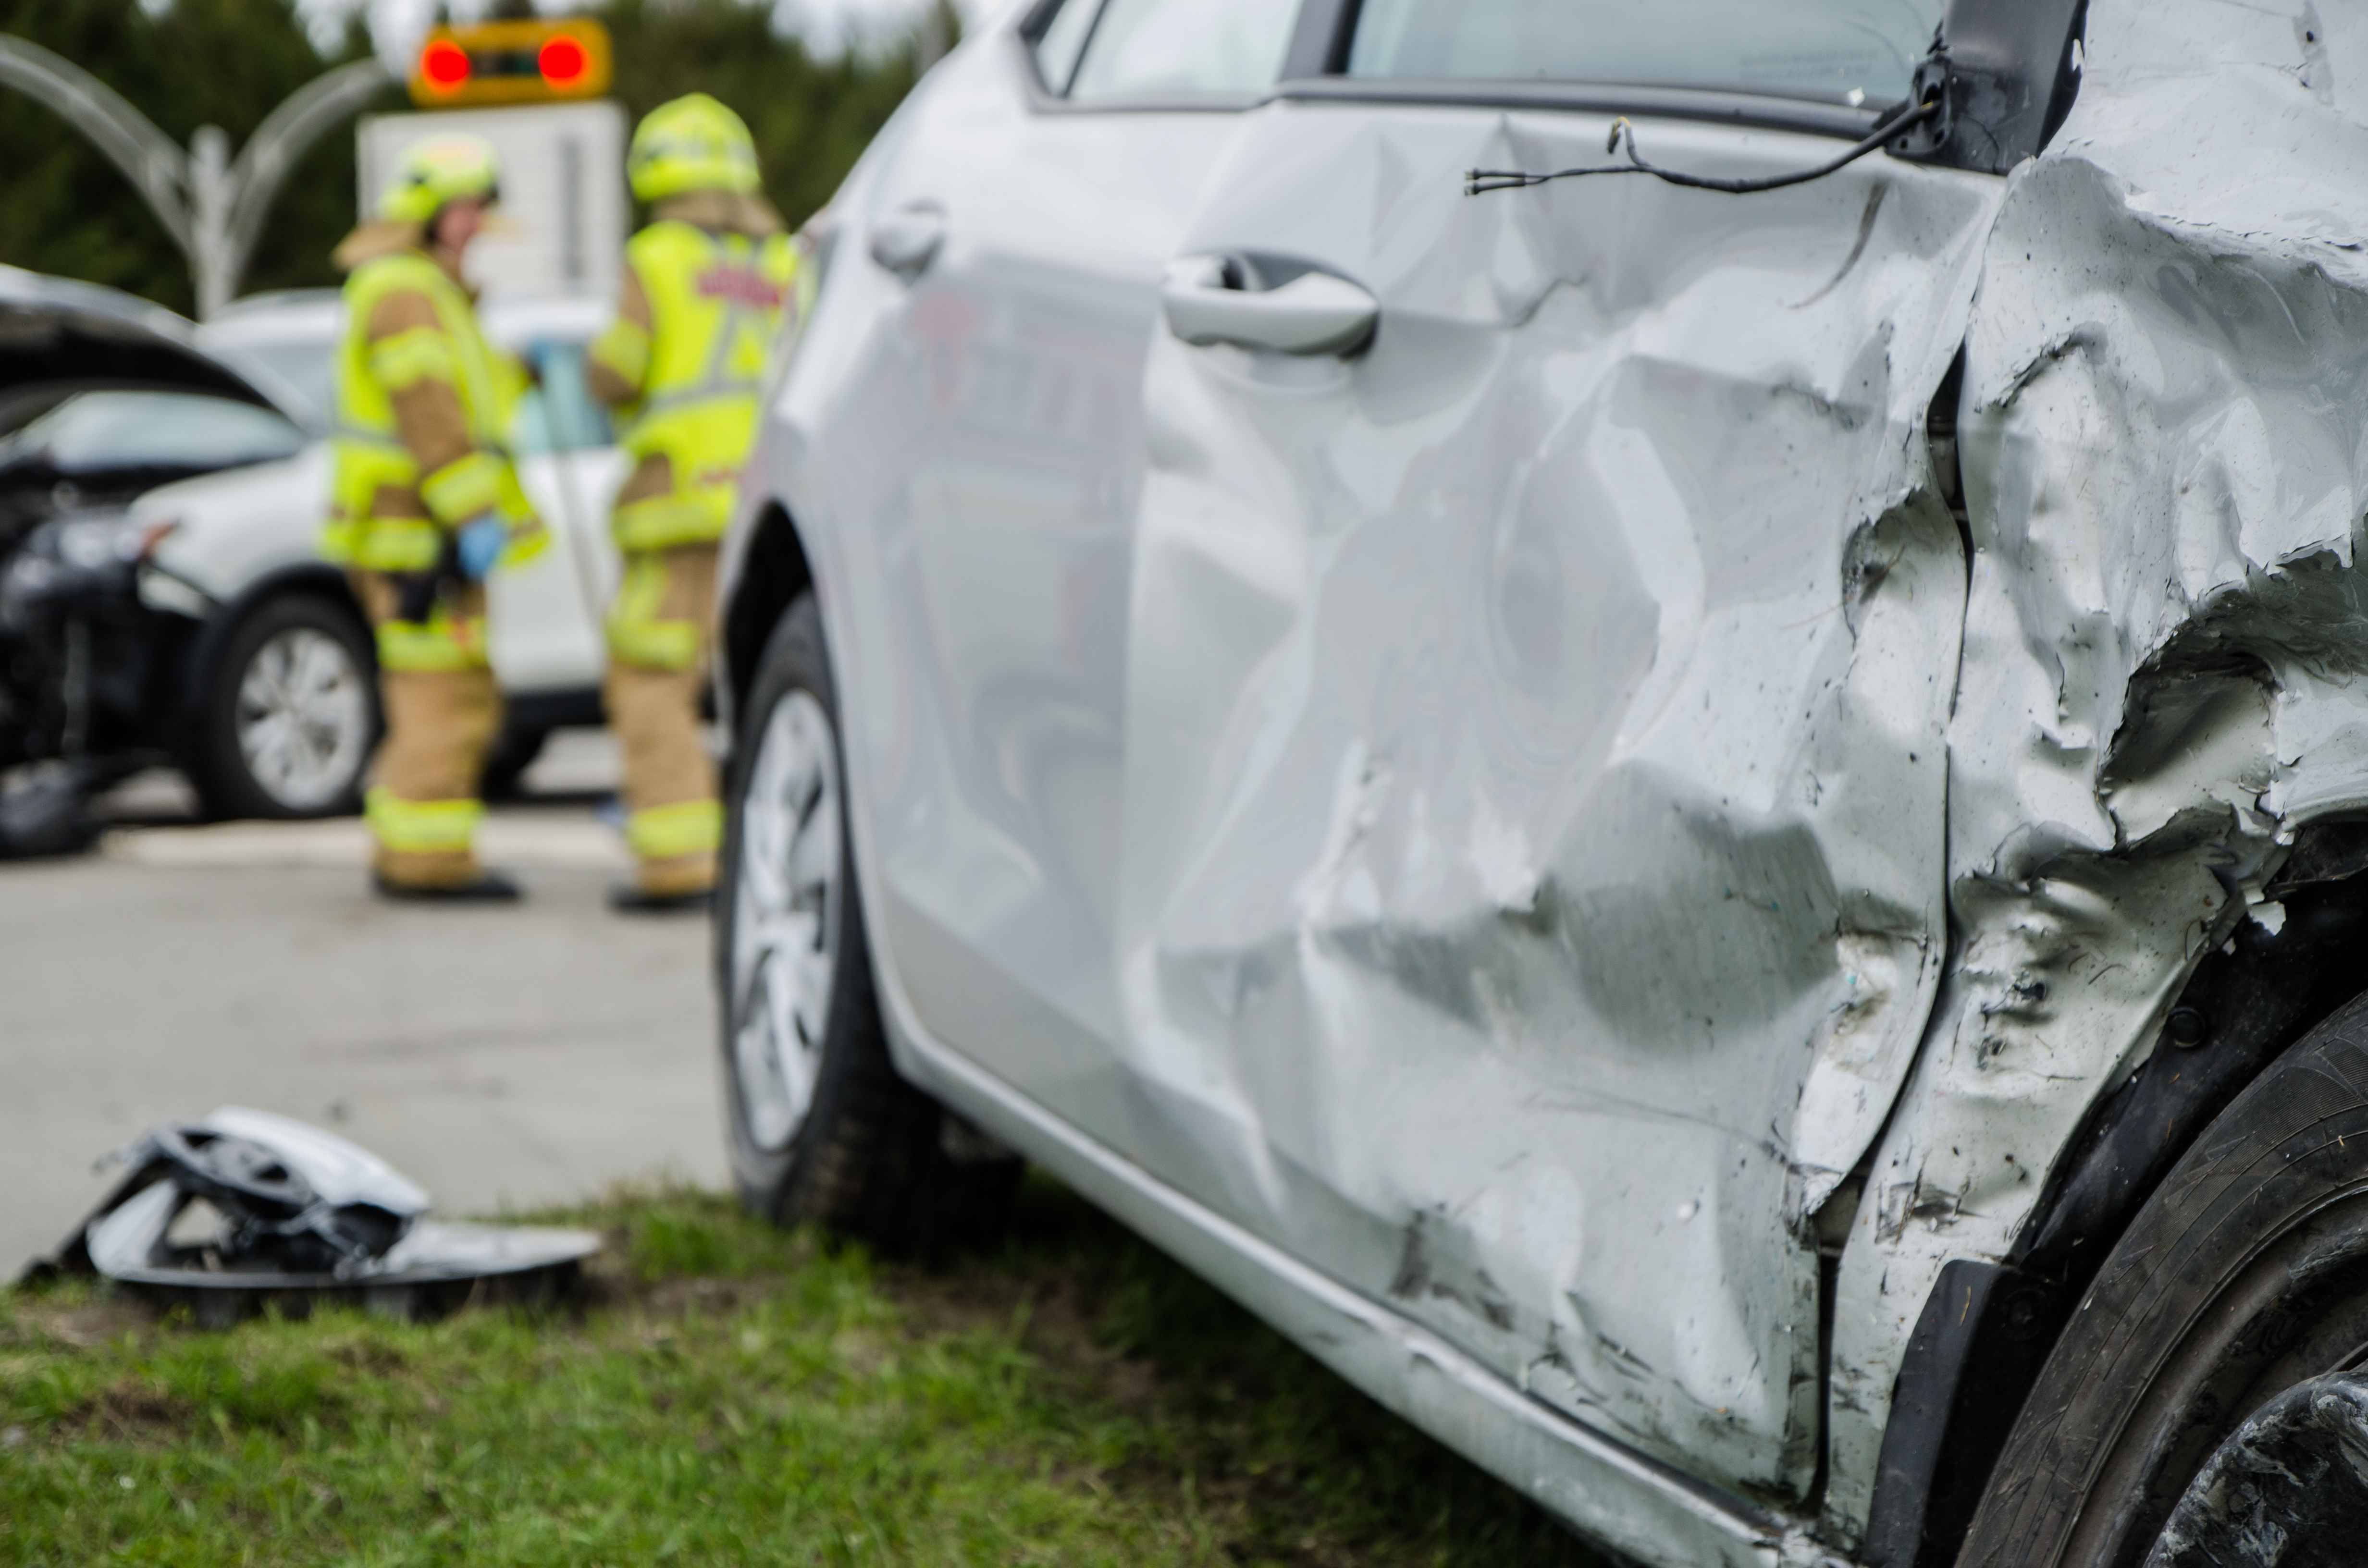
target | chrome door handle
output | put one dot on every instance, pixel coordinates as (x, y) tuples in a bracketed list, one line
[(906, 241), (1265, 302)]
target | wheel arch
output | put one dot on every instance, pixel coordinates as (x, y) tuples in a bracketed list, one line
[(774, 569), (1988, 1328)]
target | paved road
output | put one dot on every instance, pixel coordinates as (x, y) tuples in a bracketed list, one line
[(501, 1057)]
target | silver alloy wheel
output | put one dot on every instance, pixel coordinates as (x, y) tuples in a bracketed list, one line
[(785, 919), (303, 719)]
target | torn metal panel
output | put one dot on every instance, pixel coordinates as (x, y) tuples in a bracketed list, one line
[(2062, 976), (2166, 631), (298, 1215), (1531, 895), (2289, 1488)]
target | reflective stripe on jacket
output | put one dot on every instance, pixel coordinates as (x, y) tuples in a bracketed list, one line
[(423, 402), (713, 303)]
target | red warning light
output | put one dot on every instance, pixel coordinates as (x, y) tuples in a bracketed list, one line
[(445, 65), (513, 62), (564, 62)]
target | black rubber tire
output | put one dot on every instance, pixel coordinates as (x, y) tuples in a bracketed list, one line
[(2244, 1274), (870, 1160), (515, 751), (226, 789)]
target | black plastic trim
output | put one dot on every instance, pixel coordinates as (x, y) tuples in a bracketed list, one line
[(1319, 45), (1040, 16), (1708, 104), (2011, 79), (1983, 1325)]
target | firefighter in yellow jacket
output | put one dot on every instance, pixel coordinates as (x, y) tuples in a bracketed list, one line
[(705, 285), (424, 506)]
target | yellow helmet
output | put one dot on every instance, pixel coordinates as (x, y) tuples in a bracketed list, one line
[(439, 170), (692, 143)]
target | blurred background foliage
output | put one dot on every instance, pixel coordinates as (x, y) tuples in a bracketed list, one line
[(64, 209)]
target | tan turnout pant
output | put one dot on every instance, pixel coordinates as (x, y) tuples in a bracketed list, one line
[(660, 633), (443, 710)]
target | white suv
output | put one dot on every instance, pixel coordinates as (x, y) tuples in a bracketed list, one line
[(280, 711)]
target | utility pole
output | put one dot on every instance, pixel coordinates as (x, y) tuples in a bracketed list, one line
[(212, 205)]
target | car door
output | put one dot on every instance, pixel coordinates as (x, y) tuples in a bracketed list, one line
[(1532, 876), (1015, 243), (546, 614)]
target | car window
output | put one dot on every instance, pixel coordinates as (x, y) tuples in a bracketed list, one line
[(1184, 49), (560, 415), (1850, 52), (305, 365), (100, 431)]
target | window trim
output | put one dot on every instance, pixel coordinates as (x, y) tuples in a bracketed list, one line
[(1709, 105), (2010, 59), (1327, 32), (2005, 50), (1038, 22), (299, 435)]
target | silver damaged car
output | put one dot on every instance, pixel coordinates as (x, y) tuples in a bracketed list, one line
[(1705, 821)]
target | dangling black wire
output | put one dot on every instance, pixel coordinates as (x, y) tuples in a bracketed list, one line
[(1479, 182)]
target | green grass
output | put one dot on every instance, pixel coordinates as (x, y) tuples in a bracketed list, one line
[(731, 1394)]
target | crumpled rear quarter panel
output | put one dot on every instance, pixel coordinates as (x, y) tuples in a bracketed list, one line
[(2164, 633)]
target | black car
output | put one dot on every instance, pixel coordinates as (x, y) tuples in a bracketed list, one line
[(103, 397)]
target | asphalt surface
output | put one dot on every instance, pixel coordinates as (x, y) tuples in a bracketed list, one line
[(501, 1057)]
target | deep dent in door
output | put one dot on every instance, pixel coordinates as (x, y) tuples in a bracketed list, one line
[(2163, 649), (1532, 891)]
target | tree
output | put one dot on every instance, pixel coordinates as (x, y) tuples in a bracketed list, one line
[(812, 119), (64, 209)]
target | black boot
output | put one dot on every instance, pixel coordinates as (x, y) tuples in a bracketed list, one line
[(631, 898), (490, 887)]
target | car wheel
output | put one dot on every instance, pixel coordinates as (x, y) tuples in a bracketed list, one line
[(2206, 1403), (287, 725), (822, 1127)]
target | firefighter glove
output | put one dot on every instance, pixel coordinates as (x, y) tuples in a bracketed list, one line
[(482, 541)]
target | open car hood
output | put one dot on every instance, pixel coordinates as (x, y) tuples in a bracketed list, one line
[(55, 332)]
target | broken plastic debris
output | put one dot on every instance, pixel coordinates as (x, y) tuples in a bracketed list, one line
[(299, 1215)]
